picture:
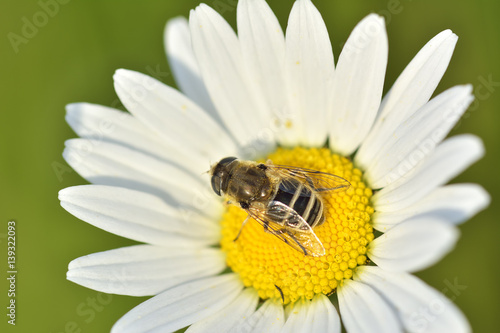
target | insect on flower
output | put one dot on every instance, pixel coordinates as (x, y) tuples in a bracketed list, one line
[(285, 200)]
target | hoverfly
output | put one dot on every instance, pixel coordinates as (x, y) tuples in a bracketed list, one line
[(285, 200)]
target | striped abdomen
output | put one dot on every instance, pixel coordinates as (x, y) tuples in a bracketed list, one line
[(300, 198)]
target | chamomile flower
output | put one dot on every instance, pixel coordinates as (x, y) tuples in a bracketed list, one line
[(264, 94)]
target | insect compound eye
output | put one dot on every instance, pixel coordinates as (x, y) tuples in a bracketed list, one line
[(216, 184), (226, 161), (220, 174)]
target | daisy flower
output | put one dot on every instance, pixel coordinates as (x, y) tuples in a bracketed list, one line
[(265, 94)]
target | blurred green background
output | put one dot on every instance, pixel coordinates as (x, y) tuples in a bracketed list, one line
[(71, 57)]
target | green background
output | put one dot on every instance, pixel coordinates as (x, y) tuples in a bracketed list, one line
[(72, 57)]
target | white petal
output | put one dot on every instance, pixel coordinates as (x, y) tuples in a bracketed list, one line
[(420, 307), (269, 318), (309, 64), (417, 137), (115, 165), (323, 316), (452, 204), (104, 124), (181, 58), (174, 117), (448, 160), (413, 245), (218, 52), (182, 305), (364, 310), (297, 317), (318, 315), (357, 84), (412, 89), (137, 215), (225, 320), (144, 270), (263, 50)]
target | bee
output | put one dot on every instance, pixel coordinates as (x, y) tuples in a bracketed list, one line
[(285, 200)]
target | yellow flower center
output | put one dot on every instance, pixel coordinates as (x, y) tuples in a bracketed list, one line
[(272, 267)]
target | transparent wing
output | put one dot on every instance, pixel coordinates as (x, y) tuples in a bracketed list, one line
[(317, 180), (283, 222)]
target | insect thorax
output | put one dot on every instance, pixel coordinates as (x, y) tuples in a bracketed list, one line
[(249, 183)]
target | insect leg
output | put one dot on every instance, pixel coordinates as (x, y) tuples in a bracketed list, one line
[(296, 241), (266, 227), (242, 225), (281, 293)]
